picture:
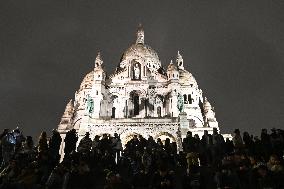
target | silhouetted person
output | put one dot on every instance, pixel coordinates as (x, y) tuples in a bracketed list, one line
[(229, 146), (105, 144), (162, 179), (265, 144), (237, 140), (5, 131), (277, 142), (189, 143), (206, 143), (7, 147), (70, 141), (85, 143), (19, 137), (193, 178), (116, 145), (54, 145), (42, 143), (248, 142), (133, 144), (217, 150), (114, 181), (263, 178)]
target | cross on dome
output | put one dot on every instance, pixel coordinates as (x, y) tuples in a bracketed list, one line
[(140, 35)]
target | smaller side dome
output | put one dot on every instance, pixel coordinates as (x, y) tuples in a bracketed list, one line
[(172, 71), (186, 78), (87, 81), (69, 108), (171, 67), (206, 104), (208, 110), (66, 118)]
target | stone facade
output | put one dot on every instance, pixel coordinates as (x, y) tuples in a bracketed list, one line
[(140, 97)]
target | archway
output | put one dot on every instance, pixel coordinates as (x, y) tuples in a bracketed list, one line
[(125, 138), (164, 135)]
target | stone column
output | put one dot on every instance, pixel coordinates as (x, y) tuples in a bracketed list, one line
[(184, 124)]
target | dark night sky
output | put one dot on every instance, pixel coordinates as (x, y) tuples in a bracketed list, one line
[(234, 49)]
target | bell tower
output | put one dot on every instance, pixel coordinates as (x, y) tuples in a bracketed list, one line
[(98, 88), (179, 61)]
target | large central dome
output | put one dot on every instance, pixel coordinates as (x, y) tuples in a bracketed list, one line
[(141, 52)]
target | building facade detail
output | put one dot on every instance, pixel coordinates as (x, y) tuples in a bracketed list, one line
[(140, 97)]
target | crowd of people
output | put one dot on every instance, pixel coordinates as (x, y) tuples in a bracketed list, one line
[(246, 161)]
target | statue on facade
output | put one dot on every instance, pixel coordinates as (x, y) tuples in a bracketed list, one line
[(180, 103), (90, 105), (136, 71)]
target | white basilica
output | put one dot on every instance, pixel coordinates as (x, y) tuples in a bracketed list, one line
[(140, 97)]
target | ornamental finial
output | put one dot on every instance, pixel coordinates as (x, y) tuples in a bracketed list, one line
[(98, 61), (179, 61)]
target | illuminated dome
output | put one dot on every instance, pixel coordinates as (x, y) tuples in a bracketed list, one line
[(141, 52), (87, 81), (187, 78), (172, 67), (206, 104)]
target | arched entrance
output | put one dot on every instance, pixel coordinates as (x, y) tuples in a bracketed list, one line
[(125, 138), (164, 135), (135, 102)]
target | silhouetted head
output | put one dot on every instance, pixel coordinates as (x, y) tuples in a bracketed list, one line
[(196, 136), (237, 131), (205, 132), (54, 131), (5, 131), (273, 130), (189, 134), (262, 170), (43, 134), (264, 131), (87, 134), (73, 130)]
